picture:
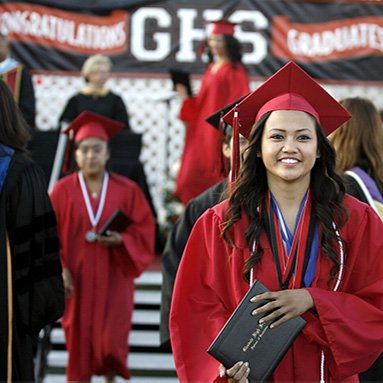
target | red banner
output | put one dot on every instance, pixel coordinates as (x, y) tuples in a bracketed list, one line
[(76, 32), (334, 40)]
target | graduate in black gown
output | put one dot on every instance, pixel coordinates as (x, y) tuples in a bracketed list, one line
[(180, 232), (95, 96), (31, 286)]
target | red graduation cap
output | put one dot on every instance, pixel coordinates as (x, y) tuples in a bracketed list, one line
[(219, 27), (89, 124), (222, 27), (291, 88)]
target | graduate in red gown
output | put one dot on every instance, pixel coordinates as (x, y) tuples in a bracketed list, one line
[(224, 81), (289, 224), (99, 271)]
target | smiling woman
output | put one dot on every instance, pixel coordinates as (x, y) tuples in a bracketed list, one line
[(286, 224), (289, 147)]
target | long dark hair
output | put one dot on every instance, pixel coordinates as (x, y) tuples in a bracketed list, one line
[(14, 131), (233, 48), (249, 191)]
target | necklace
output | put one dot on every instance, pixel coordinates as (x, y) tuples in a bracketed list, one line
[(91, 235)]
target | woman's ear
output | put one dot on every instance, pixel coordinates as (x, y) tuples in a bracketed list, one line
[(318, 154)]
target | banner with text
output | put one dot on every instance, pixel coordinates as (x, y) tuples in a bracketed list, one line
[(332, 40)]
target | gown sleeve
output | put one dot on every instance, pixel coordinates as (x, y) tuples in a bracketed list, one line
[(188, 110), (121, 112), (139, 237), (348, 323), (39, 292), (70, 111), (58, 196), (194, 326)]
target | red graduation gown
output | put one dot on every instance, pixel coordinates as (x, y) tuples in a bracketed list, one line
[(347, 324), (97, 317), (202, 150)]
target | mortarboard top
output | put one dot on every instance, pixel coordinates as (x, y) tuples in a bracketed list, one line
[(89, 124), (216, 119), (222, 27), (181, 77), (291, 88)]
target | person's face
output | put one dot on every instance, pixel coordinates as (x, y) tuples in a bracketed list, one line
[(91, 156), (227, 147), (217, 45), (289, 147), (99, 75)]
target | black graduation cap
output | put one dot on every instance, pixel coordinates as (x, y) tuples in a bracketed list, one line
[(180, 76), (216, 120)]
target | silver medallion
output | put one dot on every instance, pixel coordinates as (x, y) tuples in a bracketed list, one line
[(90, 236)]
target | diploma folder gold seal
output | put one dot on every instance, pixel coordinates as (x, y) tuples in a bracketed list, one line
[(244, 338)]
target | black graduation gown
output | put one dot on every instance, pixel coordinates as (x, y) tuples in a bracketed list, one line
[(111, 105), (174, 248), (353, 188), (37, 288), (375, 372)]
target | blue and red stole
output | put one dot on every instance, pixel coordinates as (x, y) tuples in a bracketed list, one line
[(295, 254)]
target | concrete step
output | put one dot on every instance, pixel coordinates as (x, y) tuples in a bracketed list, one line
[(149, 317), (149, 278), (136, 361), (143, 338), (142, 297), (139, 317)]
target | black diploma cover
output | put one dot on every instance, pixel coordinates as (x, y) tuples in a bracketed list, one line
[(243, 338), (179, 76), (118, 221)]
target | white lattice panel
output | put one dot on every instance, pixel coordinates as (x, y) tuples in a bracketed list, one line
[(151, 115)]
